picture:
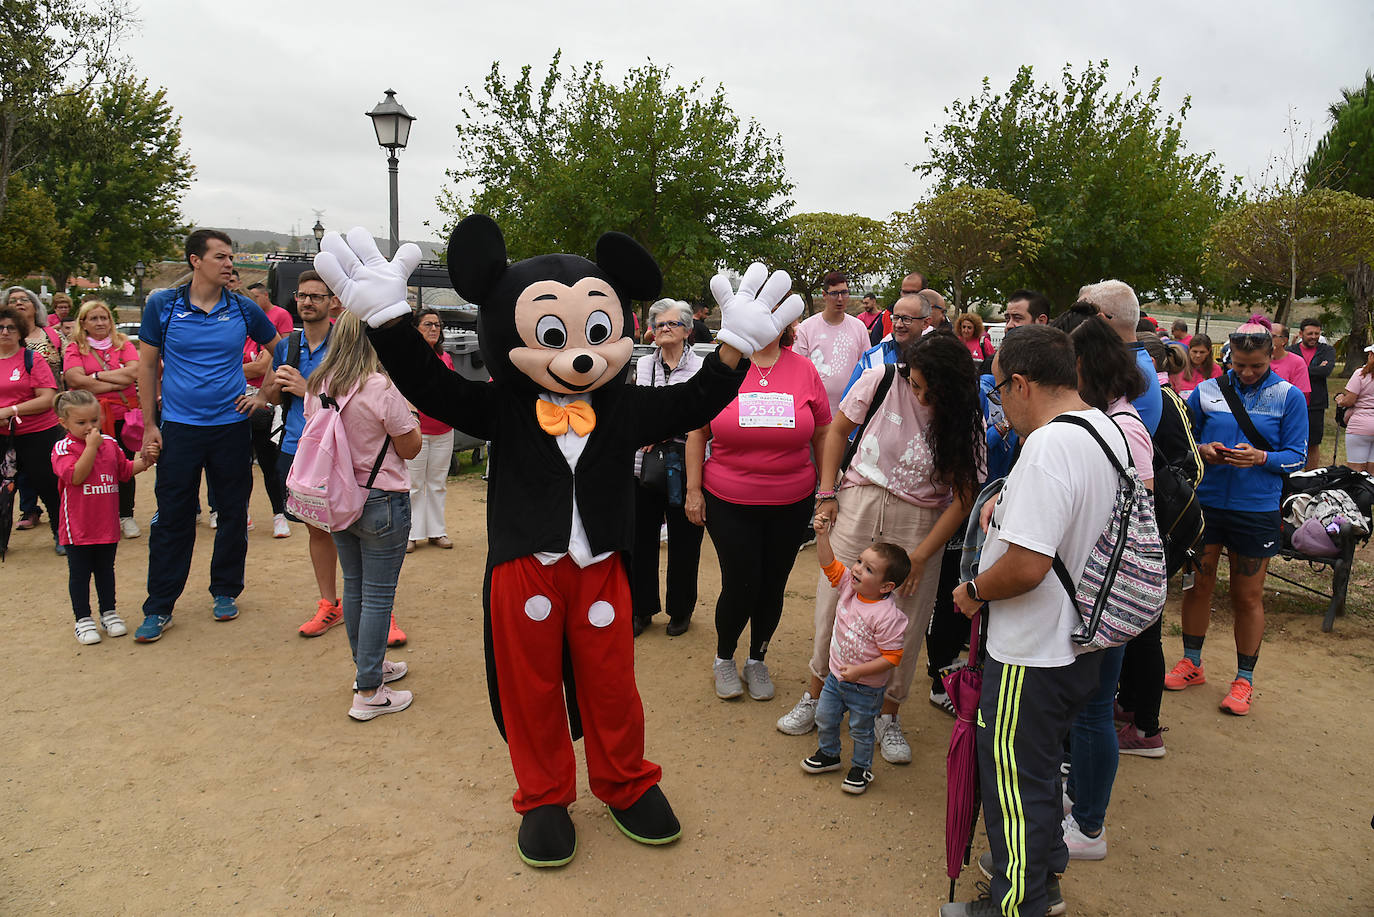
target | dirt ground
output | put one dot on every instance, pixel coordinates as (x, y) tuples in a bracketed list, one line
[(217, 771)]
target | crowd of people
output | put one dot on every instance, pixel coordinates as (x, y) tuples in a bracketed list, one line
[(871, 434)]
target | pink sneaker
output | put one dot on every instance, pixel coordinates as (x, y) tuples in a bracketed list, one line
[(1132, 741), (386, 700), (1185, 675), (391, 671)]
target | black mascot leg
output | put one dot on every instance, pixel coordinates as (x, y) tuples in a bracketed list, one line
[(547, 837), (649, 820)]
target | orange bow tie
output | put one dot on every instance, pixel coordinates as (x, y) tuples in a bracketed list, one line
[(555, 419)]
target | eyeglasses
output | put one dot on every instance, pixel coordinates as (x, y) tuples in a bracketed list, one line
[(1251, 340), (907, 319), (9, 329), (836, 292), (995, 395), (664, 326), (431, 324), (318, 299)]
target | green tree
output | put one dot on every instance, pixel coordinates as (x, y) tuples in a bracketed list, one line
[(1288, 242), (970, 237), (813, 244), (115, 169), (558, 164), (1105, 174), (30, 238), (48, 49), (1344, 160)]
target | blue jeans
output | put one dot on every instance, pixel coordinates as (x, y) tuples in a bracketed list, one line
[(1092, 742), (371, 552), (225, 452), (863, 703)]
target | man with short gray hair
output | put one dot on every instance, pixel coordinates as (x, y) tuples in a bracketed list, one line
[(1117, 303)]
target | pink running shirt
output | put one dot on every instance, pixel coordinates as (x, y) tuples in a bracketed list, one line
[(834, 350), (18, 386), (90, 510)]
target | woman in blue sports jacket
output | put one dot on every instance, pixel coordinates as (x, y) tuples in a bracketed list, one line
[(1239, 493)]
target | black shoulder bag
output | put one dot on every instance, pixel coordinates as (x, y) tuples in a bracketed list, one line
[(663, 469), (1242, 416)]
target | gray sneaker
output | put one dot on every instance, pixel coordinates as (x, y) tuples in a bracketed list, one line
[(757, 678), (801, 719), (727, 679), (891, 743)]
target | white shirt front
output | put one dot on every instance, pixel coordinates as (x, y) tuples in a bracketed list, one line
[(1057, 498), (571, 445)]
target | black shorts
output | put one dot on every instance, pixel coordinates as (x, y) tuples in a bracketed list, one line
[(1248, 534), (1316, 426)]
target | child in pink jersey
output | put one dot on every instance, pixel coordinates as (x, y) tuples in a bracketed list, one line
[(865, 646), (90, 467)]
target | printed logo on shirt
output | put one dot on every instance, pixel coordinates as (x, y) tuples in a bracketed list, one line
[(14, 376), (107, 485), (182, 314)]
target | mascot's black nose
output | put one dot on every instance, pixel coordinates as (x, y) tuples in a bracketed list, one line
[(582, 363)]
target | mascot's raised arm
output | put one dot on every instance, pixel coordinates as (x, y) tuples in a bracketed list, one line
[(563, 424)]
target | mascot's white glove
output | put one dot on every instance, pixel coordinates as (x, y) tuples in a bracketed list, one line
[(751, 319), (369, 286)]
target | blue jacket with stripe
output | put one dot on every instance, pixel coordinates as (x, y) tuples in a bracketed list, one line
[(1279, 412)]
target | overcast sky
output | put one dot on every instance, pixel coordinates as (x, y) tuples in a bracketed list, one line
[(272, 95)]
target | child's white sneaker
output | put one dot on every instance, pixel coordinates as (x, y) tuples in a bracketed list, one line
[(86, 633), (113, 623)]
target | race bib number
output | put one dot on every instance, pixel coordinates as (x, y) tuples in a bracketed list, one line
[(767, 409)]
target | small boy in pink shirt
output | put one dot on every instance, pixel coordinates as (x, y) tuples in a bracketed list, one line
[(90, 467), (865, 644)]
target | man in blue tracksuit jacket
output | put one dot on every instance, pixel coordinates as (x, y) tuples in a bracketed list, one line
[(1240, 491), (909, 317)]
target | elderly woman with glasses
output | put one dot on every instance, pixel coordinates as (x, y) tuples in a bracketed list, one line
[(1251, 430), (27, 421), (660, 498), (429, 469)]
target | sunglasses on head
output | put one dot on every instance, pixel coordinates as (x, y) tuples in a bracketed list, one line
[(1251, 340)]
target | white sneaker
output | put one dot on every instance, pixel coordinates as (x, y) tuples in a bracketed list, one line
[(801, 719), (663, 533), (892, 744), (757, 678), (727, 679), (113, 623), (129, 527), (391, 671), (214, 520), (280, 527), (250, 522), (1082, 847), (86, 632)]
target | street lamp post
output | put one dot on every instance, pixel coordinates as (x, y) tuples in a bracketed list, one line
[(392, 123), (139, 270), (318, 230)]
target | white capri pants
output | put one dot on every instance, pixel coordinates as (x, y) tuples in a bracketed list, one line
[(428, 485), (867, 514)]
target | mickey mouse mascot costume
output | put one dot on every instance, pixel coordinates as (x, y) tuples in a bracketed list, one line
[(564, 427)]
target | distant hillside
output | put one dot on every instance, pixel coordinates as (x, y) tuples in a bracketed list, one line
[(246, 238)]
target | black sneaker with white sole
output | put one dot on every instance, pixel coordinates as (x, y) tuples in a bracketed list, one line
[(821, 763), (857, 780)]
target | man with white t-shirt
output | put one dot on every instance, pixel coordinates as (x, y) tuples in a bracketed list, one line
[(833, 340), (1057, 500)]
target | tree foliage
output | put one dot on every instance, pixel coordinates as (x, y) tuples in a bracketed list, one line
[(969, 237), (559, 163), (115, 169), (48, 49), (813, 244), (1344, 160), (1289, 241), (30, 238), (1107, 174)]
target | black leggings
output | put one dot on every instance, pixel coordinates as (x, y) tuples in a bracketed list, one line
[(83, 560), (949, 629), (126, 488), (756, 546), (1142, 677), (33, 456), (266, 452)]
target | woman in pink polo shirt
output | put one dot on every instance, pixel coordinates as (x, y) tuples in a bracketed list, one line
[(755, 495), (27, 390)]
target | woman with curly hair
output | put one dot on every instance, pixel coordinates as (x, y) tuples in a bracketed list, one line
[(969, 329), (912, 479)]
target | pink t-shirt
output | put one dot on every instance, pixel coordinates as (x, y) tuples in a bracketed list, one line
[(1292, 368), (17, 386), (375, 412), (90, 510), (1360, 418), (1137, 437), (833, 349), (280, 319), (114, 404), (428, 425), (761, 442), (896, 452), (864, 631), (1183, 385)]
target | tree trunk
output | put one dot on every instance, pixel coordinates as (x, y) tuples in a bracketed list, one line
[(60, 276), (1201, 304), (1359, 283), (956, 286)]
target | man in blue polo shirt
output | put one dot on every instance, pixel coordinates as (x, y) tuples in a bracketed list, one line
[(191, 353), (297, 355)]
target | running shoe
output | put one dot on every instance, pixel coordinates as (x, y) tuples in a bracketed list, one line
[(1132, 741), (892, 745), (391, 671), (327, 614), (1082, 847), (225, 608), (128, 527), (386, 700), (150, 631), (1185, 675), (727, 679), (801, 719), (1237, 700), (280, 527), (757, 678), (395, 636)]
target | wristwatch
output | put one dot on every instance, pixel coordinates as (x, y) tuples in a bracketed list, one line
[(972, 591)]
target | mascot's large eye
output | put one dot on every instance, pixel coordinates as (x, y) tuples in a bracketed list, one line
[(598, 327), (551, 333)]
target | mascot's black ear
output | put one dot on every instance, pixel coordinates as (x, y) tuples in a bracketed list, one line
[(631, 267), (476, 257)]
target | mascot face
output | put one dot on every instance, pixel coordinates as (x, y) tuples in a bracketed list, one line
[(552, 323)]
